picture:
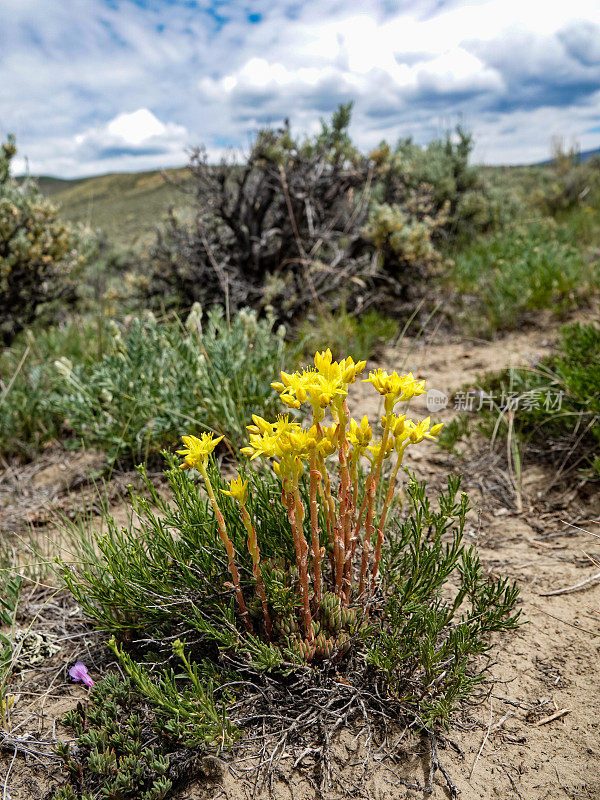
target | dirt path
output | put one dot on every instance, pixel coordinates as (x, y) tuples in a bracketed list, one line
[(537, 735)]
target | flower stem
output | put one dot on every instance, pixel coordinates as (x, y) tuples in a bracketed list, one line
[(296, 517), (255, 553), (388, 501), (345, 502), (372, 484), (235, 575), (315, 477), (325, 488)]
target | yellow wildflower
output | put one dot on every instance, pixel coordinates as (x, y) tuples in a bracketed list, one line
[(351, 370), (307, 385), (394, 387), (297, 443), (375, 448), (328, 441), (260, 425), (197, 450), (287, 442), (335, 376), (320, 386), (323, 361), (397, 423), (359, 435), (344, 371), (293, 389), (260, 445), (265, 436), (238, 489), (422, 430)]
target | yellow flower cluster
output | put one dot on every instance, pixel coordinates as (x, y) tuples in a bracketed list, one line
[(197, 450), (288, 444), (423, 430), (287, 441), (346, 526), (395, 388), (359, 435), (403, 431), (321, 386)]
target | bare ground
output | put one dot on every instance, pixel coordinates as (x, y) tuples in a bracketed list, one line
[(535, 736)]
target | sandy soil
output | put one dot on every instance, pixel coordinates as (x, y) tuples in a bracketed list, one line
[(536, 736)]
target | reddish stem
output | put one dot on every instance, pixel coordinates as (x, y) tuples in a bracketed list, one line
[(255, 553), (388, 501), (369, 501), (235, 575), (315, 477), (296, 516)]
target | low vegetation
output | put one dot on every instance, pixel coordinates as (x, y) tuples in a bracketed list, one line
[(284, 572), (119, 752), (362, 335), (310, 588), (154, 378), (506, 276), (29, 381), (556, 404)]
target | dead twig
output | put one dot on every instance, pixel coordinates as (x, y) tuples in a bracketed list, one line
[(575, 588), (485, 738), (512, 781), (557, 715), (564, 621), (5, 794), (435, 764)]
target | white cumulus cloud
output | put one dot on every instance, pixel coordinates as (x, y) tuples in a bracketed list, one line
[(121, 84), (138, 139)]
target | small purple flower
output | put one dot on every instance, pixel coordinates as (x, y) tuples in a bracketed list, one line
[(79, 672)]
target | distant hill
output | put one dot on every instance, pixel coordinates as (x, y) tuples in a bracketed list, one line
[(583, 156), (589, 153), (126, 206)]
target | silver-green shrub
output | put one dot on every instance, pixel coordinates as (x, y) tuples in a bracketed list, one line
[(39, 253), (156, 378)]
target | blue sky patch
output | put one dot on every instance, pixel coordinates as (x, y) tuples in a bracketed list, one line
[(132, 84)]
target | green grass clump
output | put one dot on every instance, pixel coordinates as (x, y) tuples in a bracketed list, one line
[(11, 584), (129, 392), (558, 410), (361, 336), (512, 272), (453, 432), (28, 381), (156, 379)]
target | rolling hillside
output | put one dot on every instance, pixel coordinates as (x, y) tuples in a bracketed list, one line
[(126, 206)]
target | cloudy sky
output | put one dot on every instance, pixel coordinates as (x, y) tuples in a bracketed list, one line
[(92, 86)]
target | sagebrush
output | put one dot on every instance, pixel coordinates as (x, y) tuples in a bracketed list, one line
[(315, 222), (40, 254), (157, 377)]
